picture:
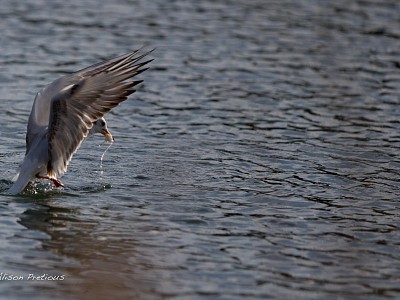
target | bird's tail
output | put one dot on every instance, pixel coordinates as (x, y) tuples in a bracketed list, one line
[(24, 176), (20, 184)]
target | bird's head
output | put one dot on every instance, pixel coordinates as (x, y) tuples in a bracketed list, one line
[(100, 126)]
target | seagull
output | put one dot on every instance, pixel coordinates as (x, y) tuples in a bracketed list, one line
[(70, 108)]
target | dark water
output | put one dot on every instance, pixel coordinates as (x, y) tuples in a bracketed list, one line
[(259, 160)]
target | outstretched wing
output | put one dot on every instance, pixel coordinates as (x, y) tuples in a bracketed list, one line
[(75, 107)]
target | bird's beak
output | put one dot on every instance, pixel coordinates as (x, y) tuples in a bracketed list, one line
[(107, 135)]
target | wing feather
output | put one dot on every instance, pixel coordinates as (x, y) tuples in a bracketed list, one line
[(97, 90)]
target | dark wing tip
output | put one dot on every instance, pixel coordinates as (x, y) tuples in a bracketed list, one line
[(136, 82)]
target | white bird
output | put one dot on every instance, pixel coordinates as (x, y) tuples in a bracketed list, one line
[(65, 111)]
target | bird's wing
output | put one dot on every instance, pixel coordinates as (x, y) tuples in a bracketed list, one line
[(76, 106), (40, 113)]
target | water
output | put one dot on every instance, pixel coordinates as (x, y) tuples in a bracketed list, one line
[(258, 160)]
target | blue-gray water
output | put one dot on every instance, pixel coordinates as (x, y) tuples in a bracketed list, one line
[(259, 160)]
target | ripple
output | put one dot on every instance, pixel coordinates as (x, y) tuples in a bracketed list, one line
[(258, 160)]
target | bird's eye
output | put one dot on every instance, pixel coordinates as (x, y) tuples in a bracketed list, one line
[(103, 123)]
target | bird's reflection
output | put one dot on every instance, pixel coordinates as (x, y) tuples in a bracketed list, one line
[(98, 262)]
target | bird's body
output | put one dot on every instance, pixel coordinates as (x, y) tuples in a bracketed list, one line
[(65, 111)]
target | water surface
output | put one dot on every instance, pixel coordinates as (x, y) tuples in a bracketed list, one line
[(259, 159)]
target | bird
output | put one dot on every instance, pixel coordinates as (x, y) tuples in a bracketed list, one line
[(69, 109)]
